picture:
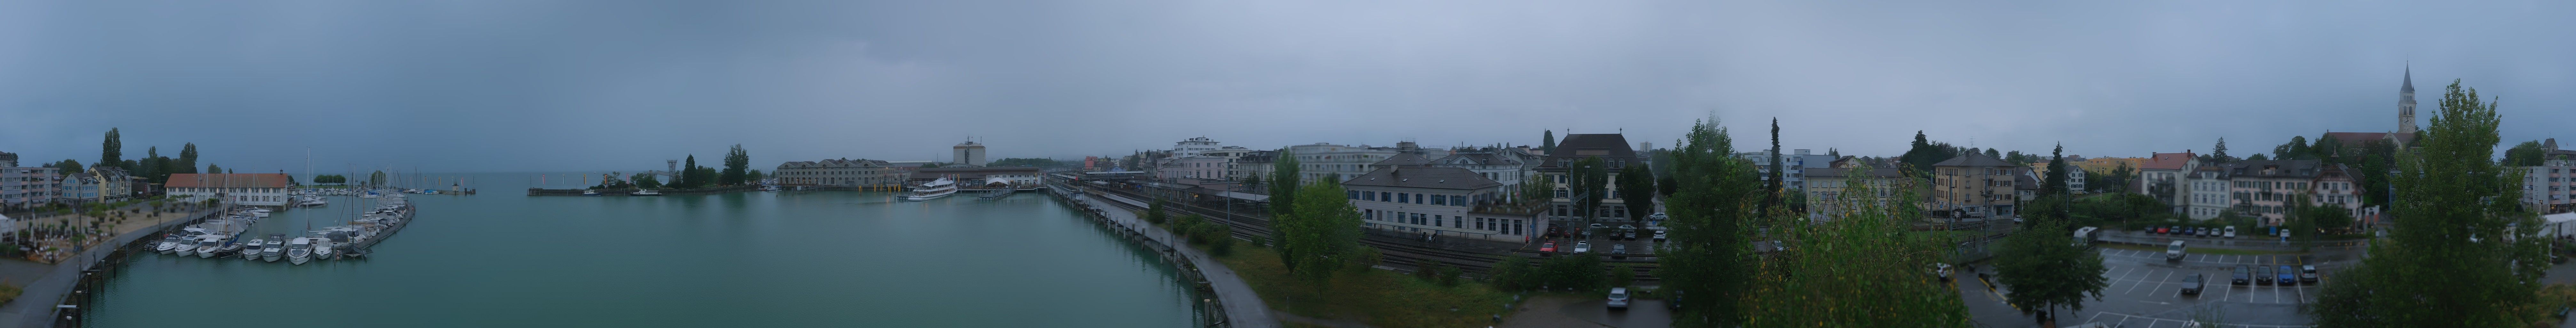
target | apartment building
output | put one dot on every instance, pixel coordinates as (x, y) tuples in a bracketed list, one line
[(1439, 202), (1974, 185)]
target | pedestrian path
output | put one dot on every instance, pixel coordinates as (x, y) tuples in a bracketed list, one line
[(1243, 308)]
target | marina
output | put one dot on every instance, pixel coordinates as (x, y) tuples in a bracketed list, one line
[(733, 259)]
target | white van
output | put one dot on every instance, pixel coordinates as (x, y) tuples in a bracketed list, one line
[(2173, 251), (2084, 236)]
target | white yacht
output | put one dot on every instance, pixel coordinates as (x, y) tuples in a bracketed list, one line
[(169, 244), (299, 250), (187, 246), (259, 213), (933, 190), (322, 250), (590, 192), (644, 192), (250, 249), (274, 249), (310, 201), (206, 247)]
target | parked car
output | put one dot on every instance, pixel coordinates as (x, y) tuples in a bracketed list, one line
[(1619, 298), (2208, 232), (2191, 285), (2244, 275), (2173, 251), (2231, 232), (1547, 247), (1659, 236), (1941, 271), (2156, 230), (1582, 247), (2262, 275), (2287, 277), (1621, 249), (2308, 274)]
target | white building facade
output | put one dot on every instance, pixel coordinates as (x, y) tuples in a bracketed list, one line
[(1793, 166), (254, 189), (1438, 202), (1320, 160)]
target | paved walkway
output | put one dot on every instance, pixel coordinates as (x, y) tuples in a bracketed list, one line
[(35, 307), (1242, 307)]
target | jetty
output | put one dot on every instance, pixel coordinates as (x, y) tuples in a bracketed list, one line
[(1231, 302)]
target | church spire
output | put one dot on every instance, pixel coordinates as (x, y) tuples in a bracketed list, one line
[(2406, 103)]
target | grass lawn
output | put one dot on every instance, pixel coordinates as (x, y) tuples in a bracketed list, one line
[(1377, 297), (2196, 250)]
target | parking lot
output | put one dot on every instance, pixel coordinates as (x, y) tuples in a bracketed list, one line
[(2145, 290)]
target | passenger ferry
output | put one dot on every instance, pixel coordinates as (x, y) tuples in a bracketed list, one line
[(933, 190)]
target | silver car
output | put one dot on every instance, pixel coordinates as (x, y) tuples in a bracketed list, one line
[(1619, 298)]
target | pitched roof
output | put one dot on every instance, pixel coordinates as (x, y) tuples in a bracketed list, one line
[(2354, 138), (1594, 144), (2024, 181), (228, 180), (2294, 168), (2167, 161), (1973, 159), (1874, 172), (1404, 159), (1423, 177)]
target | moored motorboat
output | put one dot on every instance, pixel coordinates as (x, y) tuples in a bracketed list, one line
[(933, 190), (250, 250), (644, 192), (207, 247), (274, 249), (299, 250), (590, 193), (169, 244)]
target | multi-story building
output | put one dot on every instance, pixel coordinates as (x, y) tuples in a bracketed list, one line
[(1252, 164), (255, 189), (1974, 185), (2270, 189), (2161, 176), (1793, 166), (2208, 192), (1320, 160), (2103, 165), (27, 186), (969, 153), (1015, 177), (1831, 190), (843, 172), (1194, 146), (1613, 151), (2074, 175), (1195, 167), (2549, 188), (1508, 166), (114, 183), (1439, 201)]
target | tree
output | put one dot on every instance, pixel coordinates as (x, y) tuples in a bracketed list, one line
[(1771, 180), (2056, 180), (1322, 233), (1537, 190), (376, 179), (112, 150), (2257, 157), (2454, 212), (1547, 141), (751, 175), (1590, 179), (68, 166), (1510, 274), (1285, 183), (2526, 153), (1862, 268), (2043, 268), (1637, 190), (736, 166), (2297, 148), (1920, 158), (1154, 213), (188, 158), (2218, 153), (647, 181), (1707, 255)]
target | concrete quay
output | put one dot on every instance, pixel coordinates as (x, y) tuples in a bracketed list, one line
[(39, 304), (1242, 307)]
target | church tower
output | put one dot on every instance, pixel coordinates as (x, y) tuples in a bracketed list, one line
[(2406, 103)]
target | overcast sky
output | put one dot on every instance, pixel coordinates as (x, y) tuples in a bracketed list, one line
[(623, 85)]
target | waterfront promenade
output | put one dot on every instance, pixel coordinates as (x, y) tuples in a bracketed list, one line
[(48, 287), (1243, 308)]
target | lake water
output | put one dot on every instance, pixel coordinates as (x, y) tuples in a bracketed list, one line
[(793, 259)]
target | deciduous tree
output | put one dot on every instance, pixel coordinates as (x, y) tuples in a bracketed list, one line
[(2454, 212), (1712, 205)]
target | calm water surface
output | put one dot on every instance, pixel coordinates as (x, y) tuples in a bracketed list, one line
[(746, 259)]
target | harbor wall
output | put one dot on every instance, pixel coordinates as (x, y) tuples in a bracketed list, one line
[(623, 192)]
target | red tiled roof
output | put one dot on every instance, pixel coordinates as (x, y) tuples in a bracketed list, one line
[(2167, 161), (227, 180)]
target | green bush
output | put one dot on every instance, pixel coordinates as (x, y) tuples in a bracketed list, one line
[(1512, 273)]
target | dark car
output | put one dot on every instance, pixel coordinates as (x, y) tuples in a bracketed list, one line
[(2192, 284), (2244, 275), (2307, 274), (1623, 249), (2263, 275), (2287, 276)]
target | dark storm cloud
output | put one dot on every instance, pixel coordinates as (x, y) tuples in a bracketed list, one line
[(531, 85)]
